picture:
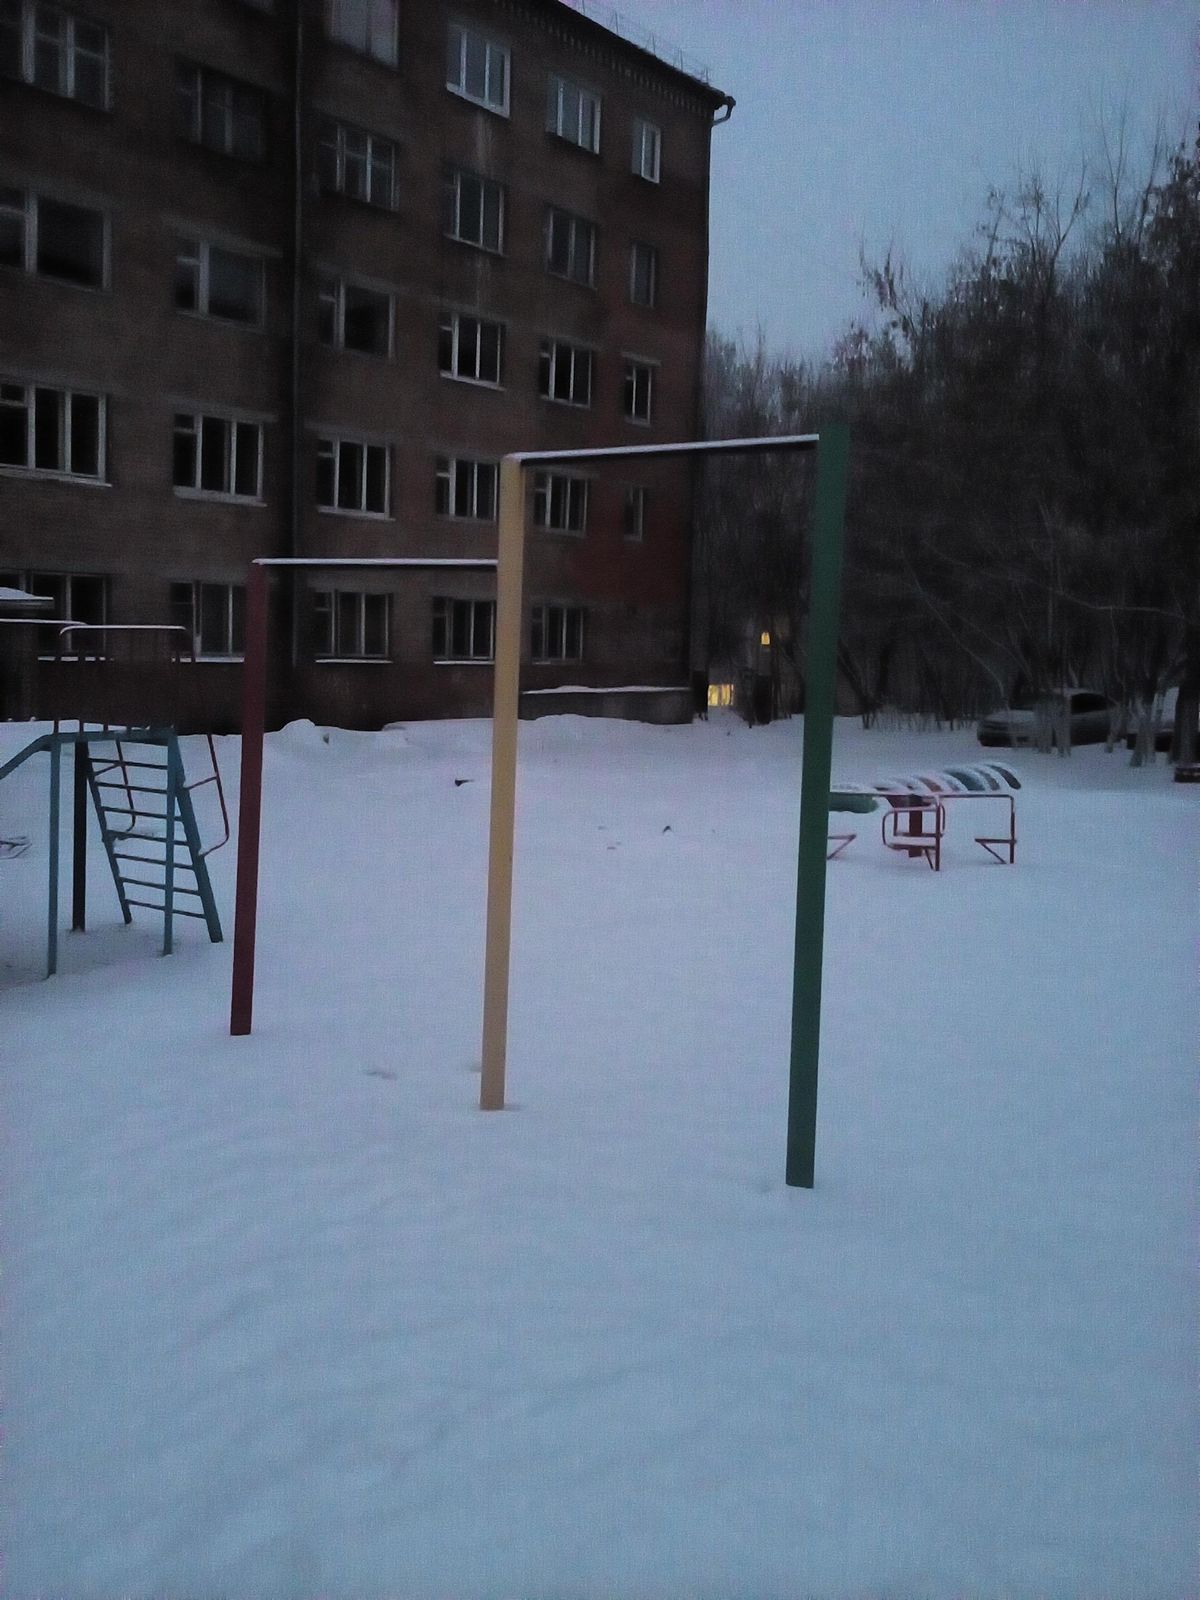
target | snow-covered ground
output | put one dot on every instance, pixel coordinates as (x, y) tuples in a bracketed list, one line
[(288, 1316)]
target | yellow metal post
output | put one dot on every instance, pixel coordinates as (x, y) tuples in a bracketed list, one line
[(504, 782)]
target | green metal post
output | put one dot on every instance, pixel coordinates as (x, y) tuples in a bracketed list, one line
[(820, 683), (52, 910)]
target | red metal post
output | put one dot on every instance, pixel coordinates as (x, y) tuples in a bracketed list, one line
[(254, 719)]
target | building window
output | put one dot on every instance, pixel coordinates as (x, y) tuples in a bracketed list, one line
[(647, 150), (639, 391), (633, 522), (643, 274), (58, 431), (218, 456), (353, 476), (350, 626), (570, 246), (360, 165), (53, 239), (350, 317), (75, 596), (565, 372), (464, 630), (466, 487), (573, 113), (560, 502), (477, 68), (556, 633), (219, 112), (55, 50), (213, 282), (365, 25), (214, 615), (470, 348), (473, 209)]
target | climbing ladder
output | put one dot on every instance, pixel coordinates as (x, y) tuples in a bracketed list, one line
[(148, 827), (135, 781)]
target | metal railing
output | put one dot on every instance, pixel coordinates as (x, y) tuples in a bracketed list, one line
[(633, 33)]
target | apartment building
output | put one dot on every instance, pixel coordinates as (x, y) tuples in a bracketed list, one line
[(287, 277)]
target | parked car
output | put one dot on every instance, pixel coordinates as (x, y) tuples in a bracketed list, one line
[(1015, 725)]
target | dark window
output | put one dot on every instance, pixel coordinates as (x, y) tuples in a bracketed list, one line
[(466, 488), (647, 149), (643, 274), (218, 283), (51, 430), (365, 25), (570, 246), (565, 372), (556, 633), (464, 630), (47, 46), (639, 391), (573, 113), (218, 455), (477, 68), (473, 209), (352, 476), (633, 525), (214, 615), (560, 502), (219, 112), (470, 348), (357, 164), (350, 626), (70, 243)]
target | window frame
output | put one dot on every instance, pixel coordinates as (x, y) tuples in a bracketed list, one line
[(61, 474), (232, 422), (546, 482), (203, 248), (633, 513), (557, 216), (27, 42), (452, 208), (498, 108), (446, 470), (541, 615), (30, 224), (556, 119), (392, 58), (641, 127), (331, 133), (451, 322), (230, 626), (650, 260), (443, 618), (336, 443), (635, 369), (193, 129), (329, 601), (552, 353), (329, 281)]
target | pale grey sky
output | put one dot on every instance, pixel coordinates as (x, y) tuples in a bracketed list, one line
[(888, 120)]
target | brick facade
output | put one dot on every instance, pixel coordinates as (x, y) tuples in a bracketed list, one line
[(215, 166)]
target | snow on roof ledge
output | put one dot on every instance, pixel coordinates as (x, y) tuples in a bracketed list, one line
[(21, 597)]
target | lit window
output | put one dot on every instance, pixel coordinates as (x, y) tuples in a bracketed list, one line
[(570, 246), (465, 487), (565, 372), (470, 348), (560, 502), (477, 68), (573, 113), (360, 165), (52, 48), (218, 456), (647, 149), (473, 209), (58, 431), (464, 630), (556, 633), (350, 626), (353, 477), (365, 25), (720, 695)]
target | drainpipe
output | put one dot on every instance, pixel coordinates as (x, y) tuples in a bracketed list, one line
[(689, 620)]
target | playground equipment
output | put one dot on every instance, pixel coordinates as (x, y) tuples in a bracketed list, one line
[(831, 448), (132, 773), (914, 821)]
